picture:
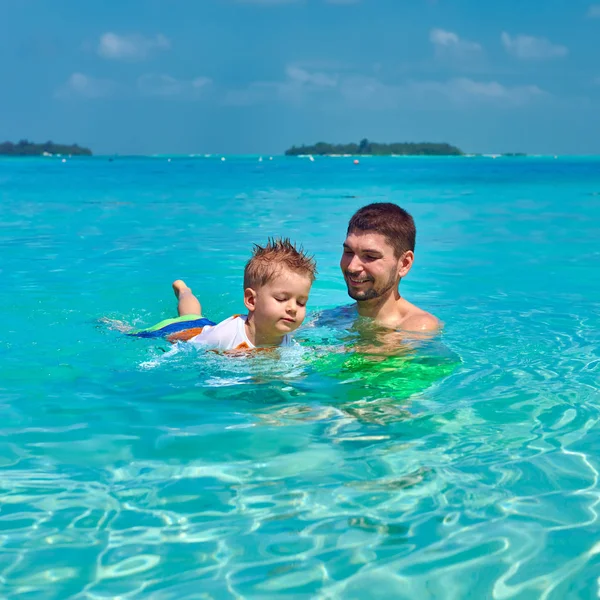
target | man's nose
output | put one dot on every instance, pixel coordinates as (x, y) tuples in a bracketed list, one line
[(354, 264)]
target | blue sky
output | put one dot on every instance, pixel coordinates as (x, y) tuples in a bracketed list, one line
[(254, 76)]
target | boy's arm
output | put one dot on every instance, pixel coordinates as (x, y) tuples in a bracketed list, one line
[(187, 303)]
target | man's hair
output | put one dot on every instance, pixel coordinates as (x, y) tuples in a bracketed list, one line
[(388, 219), (267, 262)]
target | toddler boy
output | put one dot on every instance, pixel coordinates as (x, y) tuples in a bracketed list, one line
[(277, 282)]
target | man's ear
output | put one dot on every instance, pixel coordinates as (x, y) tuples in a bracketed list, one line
[(405, 263), (250, 299)]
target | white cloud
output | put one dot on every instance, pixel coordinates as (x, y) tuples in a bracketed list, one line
[(530, 47), (371, 93), (80, 85), (303, 77), (448, 43), (153, 84), (130, 47), (463, 90), (298, 83), (594, 11)]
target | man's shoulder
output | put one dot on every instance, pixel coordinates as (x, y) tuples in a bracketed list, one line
[(415, 319), (422, 321)]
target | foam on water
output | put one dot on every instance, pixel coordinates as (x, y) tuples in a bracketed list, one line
[(465, 466)]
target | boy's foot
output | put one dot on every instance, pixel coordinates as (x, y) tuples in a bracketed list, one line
[(180, 287)]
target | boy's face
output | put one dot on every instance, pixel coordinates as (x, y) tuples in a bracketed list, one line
[(279, 307)]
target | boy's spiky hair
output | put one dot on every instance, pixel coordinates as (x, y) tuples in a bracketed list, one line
[(267, 261)]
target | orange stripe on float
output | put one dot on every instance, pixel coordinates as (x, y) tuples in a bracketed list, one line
[(185, 335)]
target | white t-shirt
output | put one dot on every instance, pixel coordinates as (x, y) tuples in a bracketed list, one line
[(229, 334)]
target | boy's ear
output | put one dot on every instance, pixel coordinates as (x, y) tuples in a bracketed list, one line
[(250, 299)]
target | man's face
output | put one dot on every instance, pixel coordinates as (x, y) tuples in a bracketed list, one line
[(369, 266)]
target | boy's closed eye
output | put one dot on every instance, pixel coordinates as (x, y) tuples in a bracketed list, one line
[(301, 302)]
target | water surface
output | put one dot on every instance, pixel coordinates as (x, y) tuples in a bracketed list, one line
[(466, 469)]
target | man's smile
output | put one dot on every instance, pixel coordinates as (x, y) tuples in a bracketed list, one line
[(357, 280)]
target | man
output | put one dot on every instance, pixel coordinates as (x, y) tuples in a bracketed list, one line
[(378, 252)]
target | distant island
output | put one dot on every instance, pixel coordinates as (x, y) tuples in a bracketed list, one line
[(26, 148), (365, 147)]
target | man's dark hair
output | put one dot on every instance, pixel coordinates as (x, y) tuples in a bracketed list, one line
[(388, 219)]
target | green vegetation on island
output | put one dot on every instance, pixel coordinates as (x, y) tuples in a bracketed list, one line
[(27, 148), (365, 147)]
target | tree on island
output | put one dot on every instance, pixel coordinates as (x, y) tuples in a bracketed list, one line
[(27, 148), (365, 147)]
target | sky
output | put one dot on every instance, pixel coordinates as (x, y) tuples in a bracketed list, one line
[(257, 76)]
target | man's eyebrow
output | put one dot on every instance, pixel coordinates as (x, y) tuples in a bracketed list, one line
[(371, 251), (364, 250)]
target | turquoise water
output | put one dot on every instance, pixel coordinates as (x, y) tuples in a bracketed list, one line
[(467, 467)]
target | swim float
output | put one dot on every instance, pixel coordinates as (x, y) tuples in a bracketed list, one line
[(178, 329)]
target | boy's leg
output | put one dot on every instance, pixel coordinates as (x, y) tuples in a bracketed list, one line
[(187, 303)]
